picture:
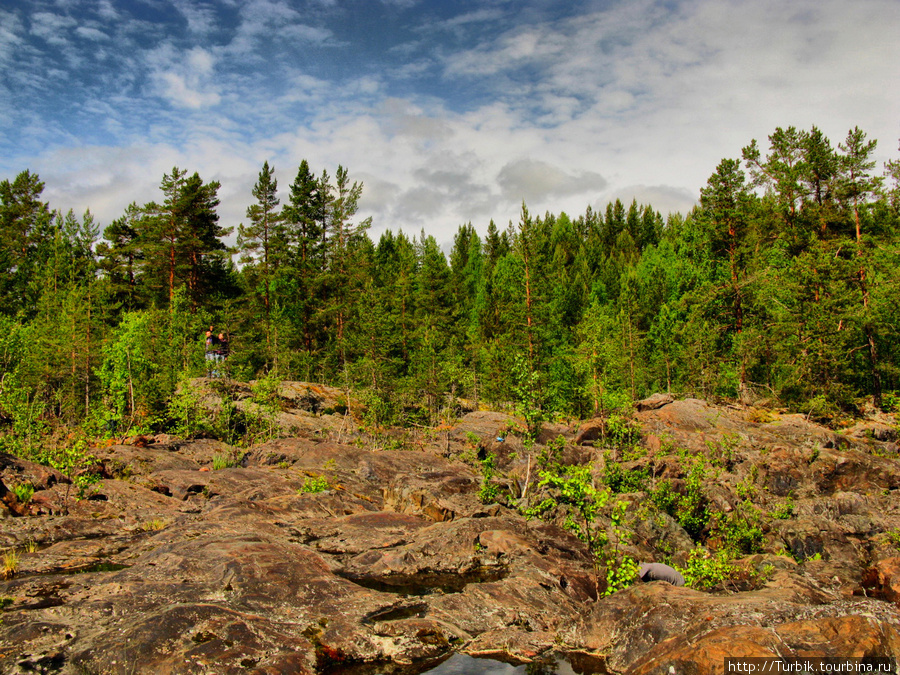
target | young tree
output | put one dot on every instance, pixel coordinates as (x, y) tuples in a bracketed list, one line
[(256, 240)]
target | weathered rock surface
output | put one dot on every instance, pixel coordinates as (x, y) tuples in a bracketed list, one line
[(313, 555)]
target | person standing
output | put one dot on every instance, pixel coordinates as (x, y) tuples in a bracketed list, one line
[(212, 348), (221, 351)]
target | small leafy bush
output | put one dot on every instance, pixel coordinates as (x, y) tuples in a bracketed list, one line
[(187, 418), (784, 511), (621, 569), (741, 530), (23, 492), (314, 484), (489, 492), (625, 481), (706, 570), (692, 511), (86, 485)]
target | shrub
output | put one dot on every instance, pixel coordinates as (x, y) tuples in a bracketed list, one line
[(489, 492), (692, 511), (187, 418), (85, 485), (314, 484), (23, 492), (705, 570), (784, 511), (621, 569), (741, 530)]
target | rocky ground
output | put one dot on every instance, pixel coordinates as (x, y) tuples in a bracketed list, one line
[(342, 550)]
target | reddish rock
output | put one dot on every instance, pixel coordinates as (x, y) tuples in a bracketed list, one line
[(882, 580)]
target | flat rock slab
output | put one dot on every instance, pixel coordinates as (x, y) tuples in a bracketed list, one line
[(310, 555)]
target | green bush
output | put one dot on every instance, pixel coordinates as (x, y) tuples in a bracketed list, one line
[(489, 492), (23, 492), (187, 417), (707, 570), (692, 510), (314, 484), (741, 530), (620, 481), (621, 569)]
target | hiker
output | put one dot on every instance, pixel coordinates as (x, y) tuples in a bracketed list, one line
[(222, 350), (212, 348), (660, 572)]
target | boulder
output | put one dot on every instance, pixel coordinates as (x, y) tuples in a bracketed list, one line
[(882, 580)]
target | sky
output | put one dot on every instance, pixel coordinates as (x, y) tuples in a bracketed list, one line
[(447, 111)]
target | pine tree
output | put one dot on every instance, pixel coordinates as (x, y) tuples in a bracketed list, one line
[(24, 223), (120, 257), (257, 240)]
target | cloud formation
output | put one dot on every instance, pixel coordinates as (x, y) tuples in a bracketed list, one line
[(448, 112)]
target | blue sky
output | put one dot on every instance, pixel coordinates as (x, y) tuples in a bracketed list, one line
[(447, 111)]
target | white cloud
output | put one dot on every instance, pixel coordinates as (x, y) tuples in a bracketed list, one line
[(11, 30), (267, 21), (201, 20), (89, 33), (52, 27), (185, 78)]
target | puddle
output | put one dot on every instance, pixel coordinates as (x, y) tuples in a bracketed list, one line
[(462, 664), (101, 567)]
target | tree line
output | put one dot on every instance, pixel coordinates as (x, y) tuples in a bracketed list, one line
[(781, 284)]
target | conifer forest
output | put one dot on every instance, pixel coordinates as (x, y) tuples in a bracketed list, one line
[(780, 286)]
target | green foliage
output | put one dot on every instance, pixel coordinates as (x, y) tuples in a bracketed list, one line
[(187, 417), (255, 421), (23, 492), (890, 401), (741, 529), (226, 460), (691, 509), (721, 452), (574, 488), (781, 283), (86, 484), (893, 537), (620, 481), (314, 484), (707, 570), (621, 569), (489, 491), (526, 387), (21, 403), (784, 511), (75, 462), (549, 456)]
